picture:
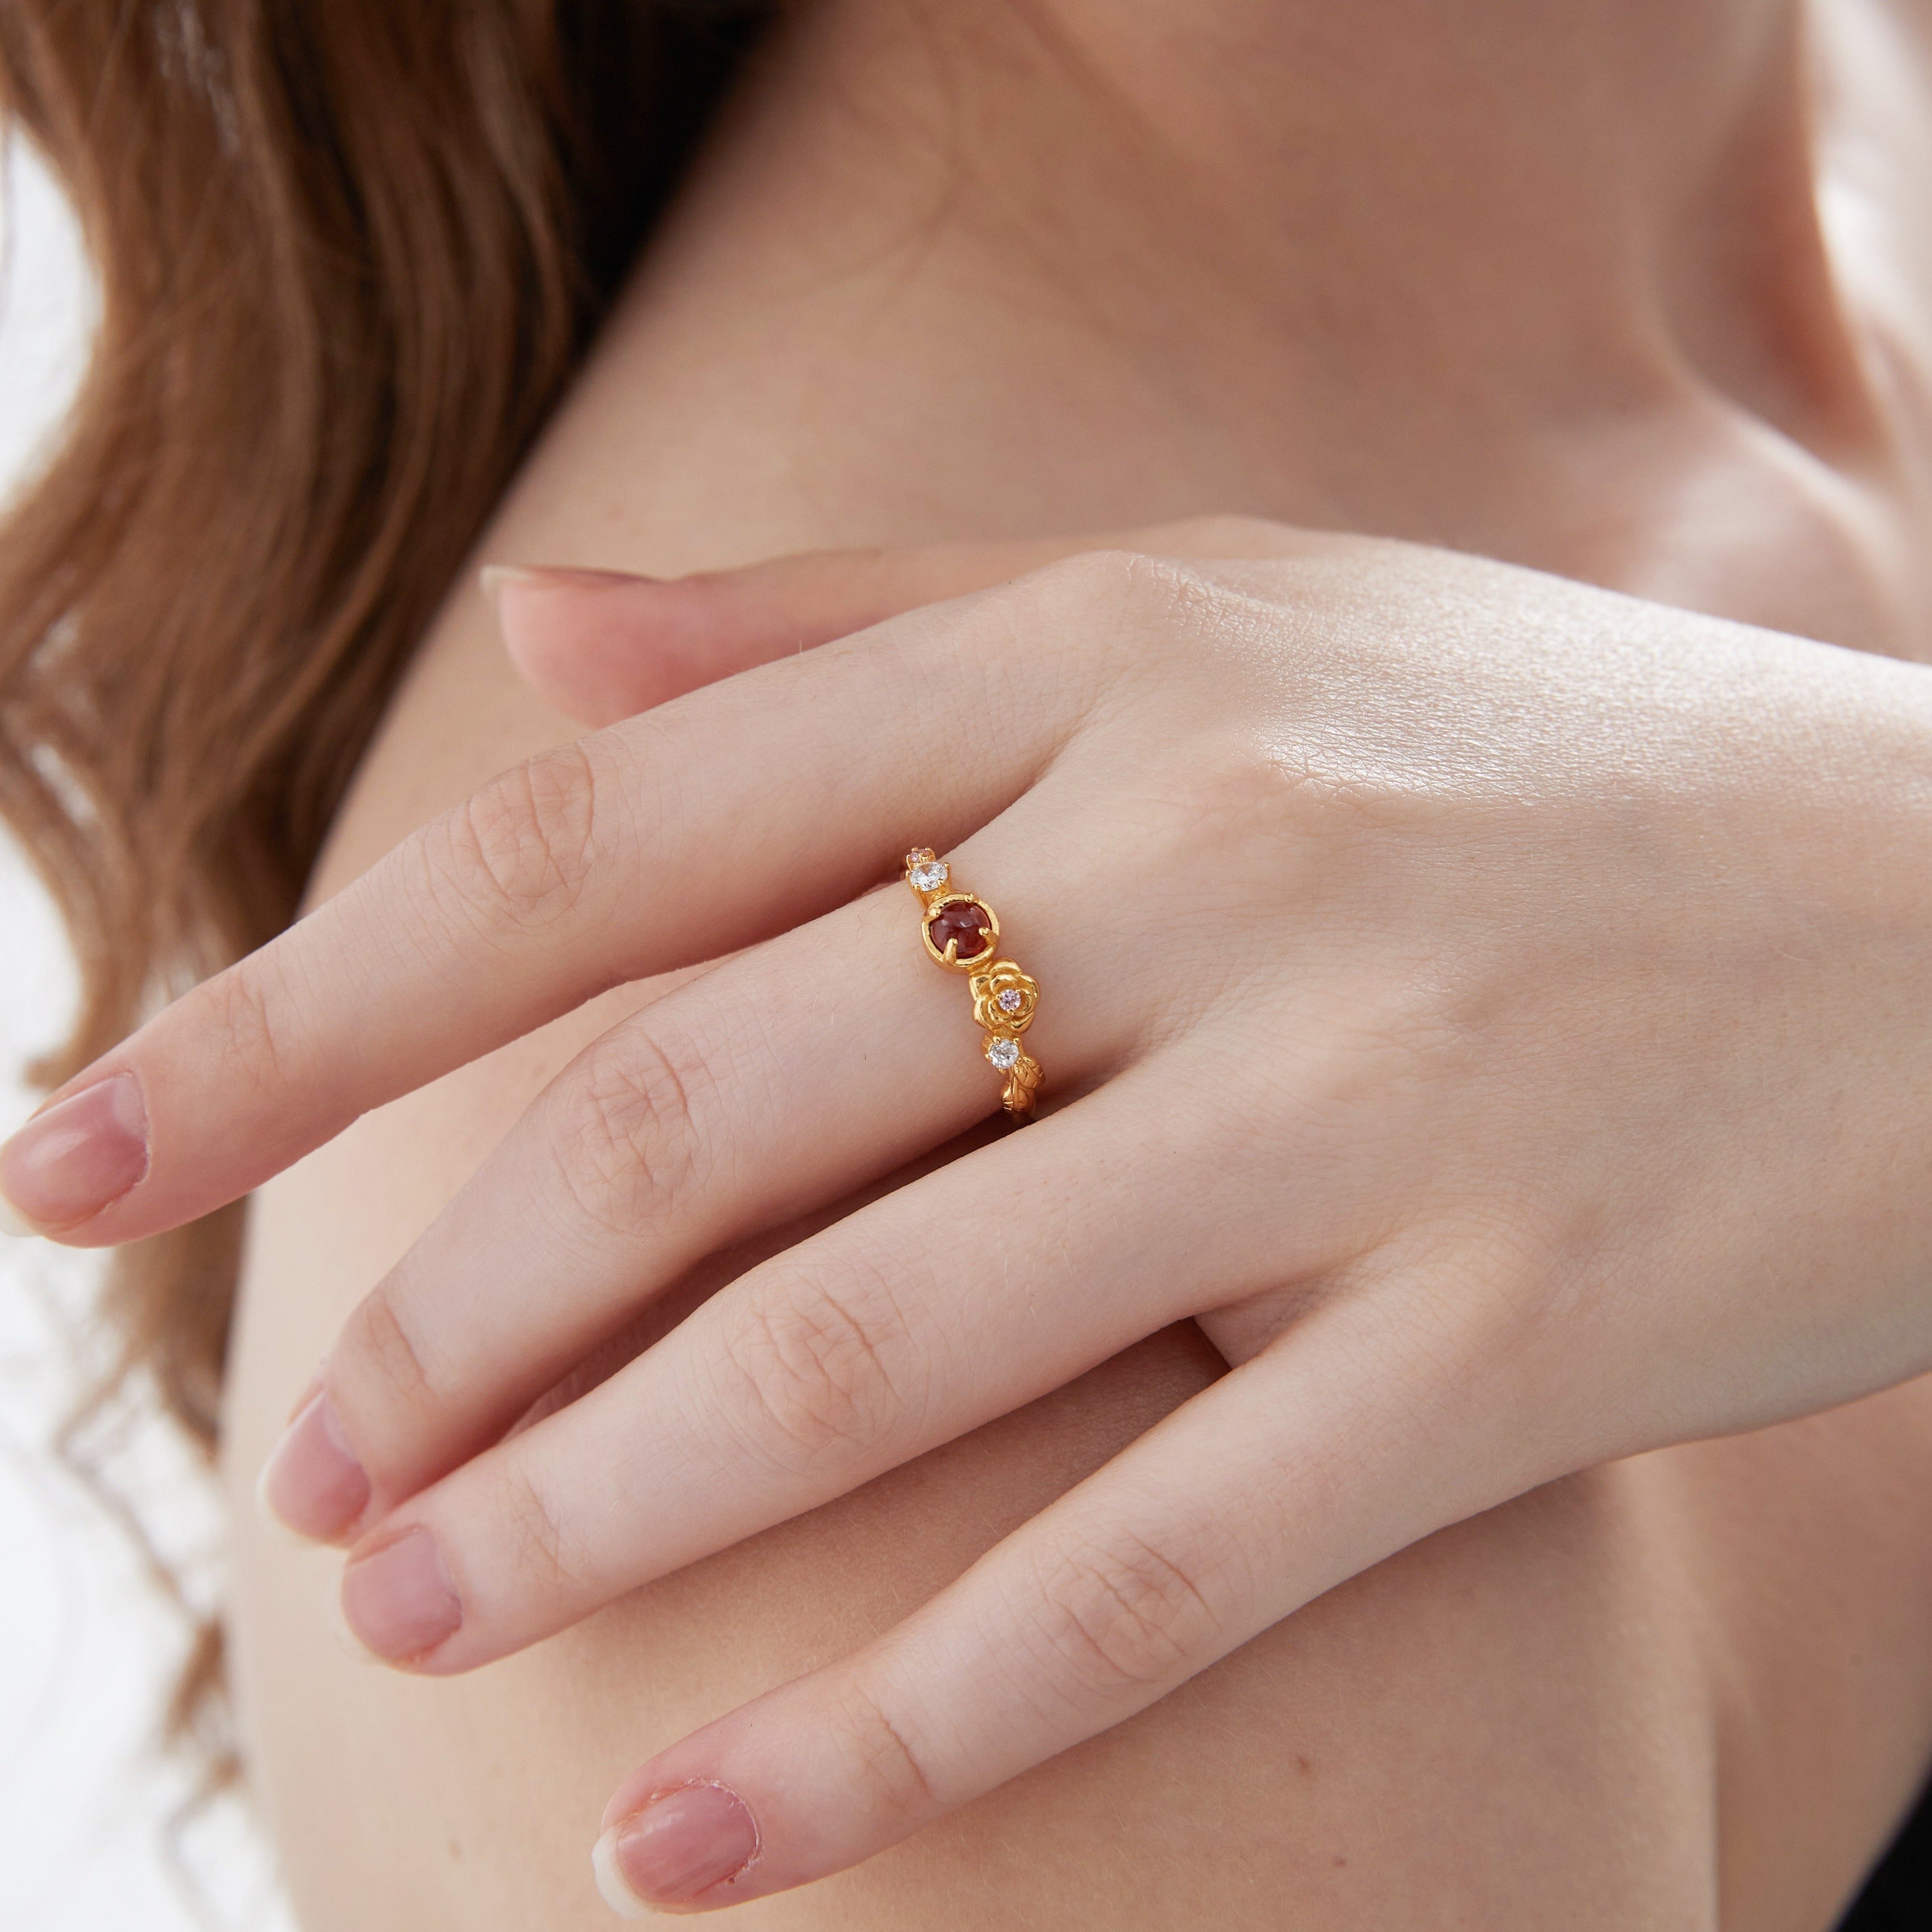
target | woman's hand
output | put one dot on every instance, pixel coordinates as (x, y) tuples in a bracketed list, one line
[(1497, 1010)]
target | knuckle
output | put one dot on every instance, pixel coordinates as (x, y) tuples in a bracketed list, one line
[(1124, 1613), (813, 1375), (380, 1364), (531, 1531), (248, 1011), (1119, 604), (624, 1129), (1139, 603), (888, 1770), (1111, 578), (517, 855)]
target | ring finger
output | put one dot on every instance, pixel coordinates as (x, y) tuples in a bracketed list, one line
[(780, 1081)]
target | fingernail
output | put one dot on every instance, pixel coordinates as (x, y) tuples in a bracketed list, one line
[(312, 1482), (496, 578), (307, 1396), (679, 1845), (398, 1600), (79, 1157), (344, 1638)]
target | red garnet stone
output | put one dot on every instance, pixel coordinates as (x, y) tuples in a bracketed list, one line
[(964, 923)]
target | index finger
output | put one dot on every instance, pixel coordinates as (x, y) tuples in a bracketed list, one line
[(735, 812)]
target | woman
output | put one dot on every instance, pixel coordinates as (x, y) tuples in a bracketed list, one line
[(1490, 1007)]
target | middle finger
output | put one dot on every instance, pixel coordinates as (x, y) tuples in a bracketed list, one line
[(953, 1300)]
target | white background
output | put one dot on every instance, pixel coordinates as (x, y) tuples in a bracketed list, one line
[(86, 1646)]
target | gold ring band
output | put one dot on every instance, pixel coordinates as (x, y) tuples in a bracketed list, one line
[(961, 933)]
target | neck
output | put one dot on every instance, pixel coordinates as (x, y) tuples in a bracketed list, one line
[(1315, 255)]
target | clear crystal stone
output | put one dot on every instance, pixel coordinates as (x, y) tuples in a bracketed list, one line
[(928, 875), (1011, 1000), (1003, 1053)]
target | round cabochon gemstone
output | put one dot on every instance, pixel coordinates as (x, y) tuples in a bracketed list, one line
[(964, 923)]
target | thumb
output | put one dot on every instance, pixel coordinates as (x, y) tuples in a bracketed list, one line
[(600, 645)]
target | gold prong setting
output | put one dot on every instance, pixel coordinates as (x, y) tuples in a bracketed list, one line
[(961, 933), (962, 930)]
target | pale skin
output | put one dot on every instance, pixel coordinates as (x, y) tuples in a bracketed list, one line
[(1512, 1053)]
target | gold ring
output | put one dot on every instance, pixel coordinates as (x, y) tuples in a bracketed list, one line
[(962, 934)]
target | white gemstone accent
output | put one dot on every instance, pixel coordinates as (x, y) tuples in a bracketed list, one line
[(1003, 1053), (1011, 1000), (929, 876)]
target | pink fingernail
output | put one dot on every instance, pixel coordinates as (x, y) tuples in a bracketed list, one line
[(66, 1165), (398, 1599), (312, 1482), (677, 1848)]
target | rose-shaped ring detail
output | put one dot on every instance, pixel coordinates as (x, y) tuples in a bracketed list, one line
[(961, 933), (1004, 997)]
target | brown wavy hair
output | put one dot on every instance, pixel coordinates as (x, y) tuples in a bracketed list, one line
[(348, 251)]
